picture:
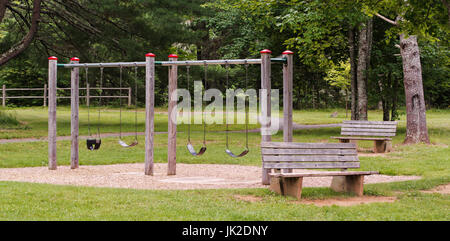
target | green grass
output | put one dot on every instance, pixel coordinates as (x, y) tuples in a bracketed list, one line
[(25, 201), (8, 119), (20, 201)]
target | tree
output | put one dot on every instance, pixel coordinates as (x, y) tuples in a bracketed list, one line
[(411, 18), (28, 38)]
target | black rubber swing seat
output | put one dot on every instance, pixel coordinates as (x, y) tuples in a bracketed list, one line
[(230, 153), (191, 149), (122, 143), (93, 144)]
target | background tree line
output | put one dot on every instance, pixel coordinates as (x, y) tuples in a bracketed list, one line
[(360, 53)]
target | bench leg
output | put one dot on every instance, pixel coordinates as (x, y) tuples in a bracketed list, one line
[(287, 186), (265, 176), (388, 146), (344, 140), (349, 184), (380, 146)]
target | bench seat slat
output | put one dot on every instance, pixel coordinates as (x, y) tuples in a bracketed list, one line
[(368, 130), (323, 174), (314, 158), (270, 151), (369, 126), (371, 122), (362, 138), (311, 165), (367, 134), (295, 145)]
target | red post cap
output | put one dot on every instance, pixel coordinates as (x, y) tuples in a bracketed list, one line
[(150, 55), (52, 58), (173, 56), (75, 59), (266, 51), (288, 52)]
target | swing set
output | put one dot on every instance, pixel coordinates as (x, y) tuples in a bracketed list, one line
[(94, 143)]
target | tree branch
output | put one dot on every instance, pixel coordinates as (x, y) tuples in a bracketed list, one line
[(27, 39), (3, 4), (386, 19)]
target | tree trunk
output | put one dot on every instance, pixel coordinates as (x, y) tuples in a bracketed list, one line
[(416, 123), (3, 4), (28, 38), (353, 84), (364, 50)]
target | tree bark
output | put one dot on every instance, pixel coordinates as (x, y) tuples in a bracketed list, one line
[(364, 50), (27, 39), (416, 123), (353, 84), (3, 4)]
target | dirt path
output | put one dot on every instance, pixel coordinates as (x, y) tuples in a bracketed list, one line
[(189, 176)]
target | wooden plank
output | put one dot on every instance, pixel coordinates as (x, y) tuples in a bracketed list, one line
[(323, 174), (74, 120), (314, 158), (368, 130), (369, 126), (271, 151), (172, 126), (347, 133), (311, 165), (361, 138), (307, 145), (371, 122), (149, 114)]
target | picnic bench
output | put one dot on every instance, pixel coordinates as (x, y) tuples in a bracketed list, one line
[(378, 131), (289, 155)]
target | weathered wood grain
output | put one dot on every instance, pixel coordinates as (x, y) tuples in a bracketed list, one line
[(149, 114)]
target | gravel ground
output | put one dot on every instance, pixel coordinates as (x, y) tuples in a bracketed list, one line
[(189, 176)]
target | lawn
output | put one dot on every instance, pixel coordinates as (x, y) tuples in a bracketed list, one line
[(25, 201)]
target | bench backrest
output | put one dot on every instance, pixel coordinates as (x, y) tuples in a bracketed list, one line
[(291, 155), (369, 128)]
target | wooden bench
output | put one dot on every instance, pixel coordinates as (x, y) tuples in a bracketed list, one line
[(290, 155), (378, 131)]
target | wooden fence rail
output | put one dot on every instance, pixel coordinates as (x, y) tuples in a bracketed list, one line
[(44, 96)]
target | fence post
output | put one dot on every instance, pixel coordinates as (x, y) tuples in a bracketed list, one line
[(149, 111), (265, 105), (88, 95), (4, 95), (45, 95), (129, 96), (172, 128), (74, 107), (52, 83)]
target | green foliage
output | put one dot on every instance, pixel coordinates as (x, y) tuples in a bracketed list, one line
[(7, 120), (339, 75)]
